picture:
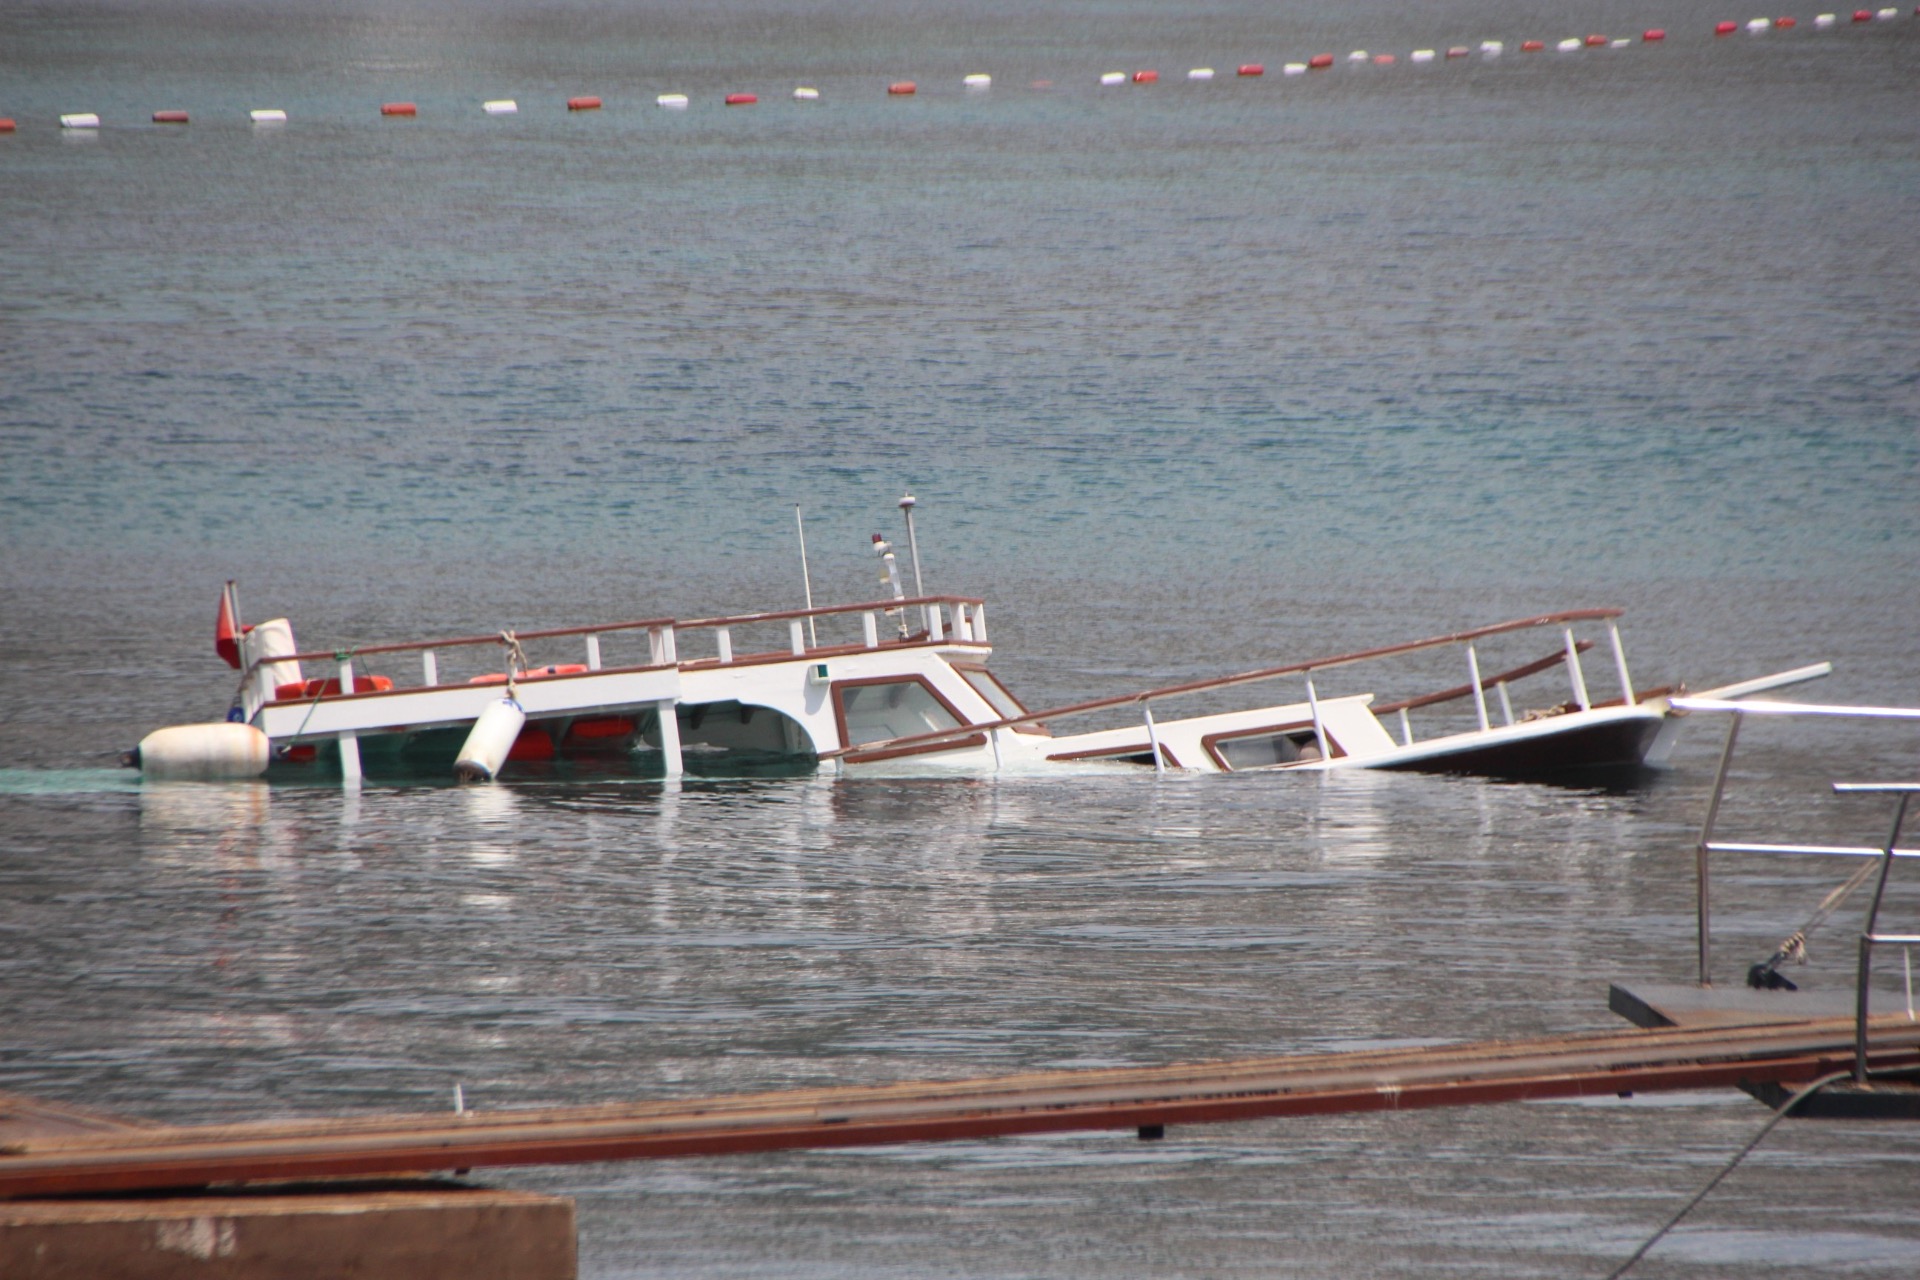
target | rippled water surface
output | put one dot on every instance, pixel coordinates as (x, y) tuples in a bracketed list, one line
[(1187, 379)]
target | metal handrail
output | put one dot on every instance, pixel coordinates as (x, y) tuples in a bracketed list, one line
[(1759, 707), (1868, 934), (1739, 711), (1887, 852), (1306, 668)]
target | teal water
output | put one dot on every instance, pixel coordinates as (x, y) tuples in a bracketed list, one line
[(1186, 378)]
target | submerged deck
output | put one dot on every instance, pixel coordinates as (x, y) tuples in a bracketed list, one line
[(1143, 1099)]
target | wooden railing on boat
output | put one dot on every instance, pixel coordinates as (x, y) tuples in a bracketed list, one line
[(1476, 687), (947, 619)]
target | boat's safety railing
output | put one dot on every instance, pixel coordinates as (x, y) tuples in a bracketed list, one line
[(1869, 934), (1870, 937), (1476, 688), (947, 620)]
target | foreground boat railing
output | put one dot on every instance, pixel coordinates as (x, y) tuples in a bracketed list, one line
[(1869, 937), (948, 619), (1476, 688)]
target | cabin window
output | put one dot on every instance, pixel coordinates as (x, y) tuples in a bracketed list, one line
[(878, 711), (1263, 751), (1004, 704)]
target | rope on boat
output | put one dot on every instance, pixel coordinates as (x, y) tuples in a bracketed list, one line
[(1765, 976), (516, 658), (1786, 1109)]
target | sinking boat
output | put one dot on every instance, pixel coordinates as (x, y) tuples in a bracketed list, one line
[(881, 700), (901, 684)]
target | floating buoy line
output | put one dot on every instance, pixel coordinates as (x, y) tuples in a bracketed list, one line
[(977, 83)]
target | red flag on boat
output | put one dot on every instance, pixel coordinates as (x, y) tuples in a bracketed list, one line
[(226, 630)]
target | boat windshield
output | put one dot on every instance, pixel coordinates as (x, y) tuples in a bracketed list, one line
[(889, 709)]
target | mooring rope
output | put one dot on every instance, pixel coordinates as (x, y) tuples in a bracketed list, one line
[(1794, 946), (516, 658), (1785, 1110)]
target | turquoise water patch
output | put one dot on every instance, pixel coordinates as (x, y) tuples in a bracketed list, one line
[(66, 782)]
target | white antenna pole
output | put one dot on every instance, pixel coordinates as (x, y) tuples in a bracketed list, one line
[(806, 577), (913, 547)]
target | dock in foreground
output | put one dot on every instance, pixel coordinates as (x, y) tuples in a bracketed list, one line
[(1143, 1098)]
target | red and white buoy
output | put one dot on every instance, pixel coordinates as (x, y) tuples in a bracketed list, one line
[(1251, 69), (736, 100), (1319, 62), (584, 103), (1532, 46), (1653, 34), (1728, 28), (170, 117), (1146, 77)]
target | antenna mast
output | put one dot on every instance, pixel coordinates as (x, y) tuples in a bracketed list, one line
[(806, 576), (913, 548)]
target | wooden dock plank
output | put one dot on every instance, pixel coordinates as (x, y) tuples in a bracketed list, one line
[(1122, 1098)]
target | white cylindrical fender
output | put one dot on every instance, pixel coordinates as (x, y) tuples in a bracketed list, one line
[(203, 751), (486, 747)]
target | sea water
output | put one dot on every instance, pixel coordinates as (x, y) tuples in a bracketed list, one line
[(1187, 378)]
